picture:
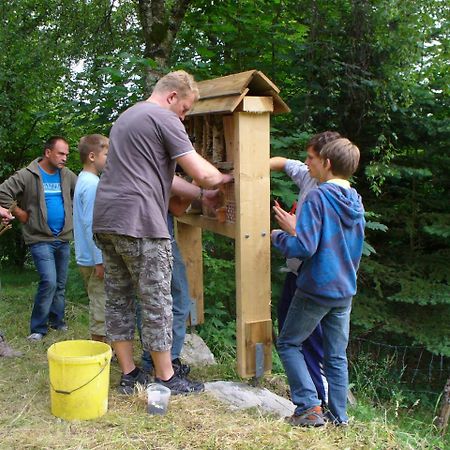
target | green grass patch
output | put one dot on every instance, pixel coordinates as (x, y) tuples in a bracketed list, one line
[(193, 422)]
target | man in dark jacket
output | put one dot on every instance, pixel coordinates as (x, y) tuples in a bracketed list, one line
[(44, 192)]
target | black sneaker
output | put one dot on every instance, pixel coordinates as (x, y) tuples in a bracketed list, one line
[(178, 385), (181, 370), (128, 383)]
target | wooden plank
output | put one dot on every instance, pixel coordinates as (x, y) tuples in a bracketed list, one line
[(189, 240), (253, 290), (260, 83), (225, 229), (233, 84), (228, 129), (258, 332), (226, 166), (256, 104), (217, 105), (279, 106)]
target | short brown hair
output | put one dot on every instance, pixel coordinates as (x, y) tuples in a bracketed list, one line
[(51, 141), (92, 143), (180, 81), (343, 156), (319, 140)]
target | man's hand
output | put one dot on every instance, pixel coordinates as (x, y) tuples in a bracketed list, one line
[(286, 220), (100, 271), (6, 216), (227, 178), (21, 215), (212, 198)]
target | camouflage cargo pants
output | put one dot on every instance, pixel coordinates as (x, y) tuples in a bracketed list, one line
[(142, 268)]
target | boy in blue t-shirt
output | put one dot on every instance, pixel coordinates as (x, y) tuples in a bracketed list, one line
[(93, 151), (328, 238)]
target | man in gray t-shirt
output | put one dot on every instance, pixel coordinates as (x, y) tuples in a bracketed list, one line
[(130, 223)]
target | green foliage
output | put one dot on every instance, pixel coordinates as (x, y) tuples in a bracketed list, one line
[(375, 71)]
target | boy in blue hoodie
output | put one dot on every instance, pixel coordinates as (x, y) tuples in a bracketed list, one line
[(328, 238)]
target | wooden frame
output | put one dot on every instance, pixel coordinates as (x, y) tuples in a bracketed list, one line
[(246, 128)]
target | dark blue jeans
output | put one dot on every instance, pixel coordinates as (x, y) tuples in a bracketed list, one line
[(180, 307), (303, 316), (313, 346), (52, 262)]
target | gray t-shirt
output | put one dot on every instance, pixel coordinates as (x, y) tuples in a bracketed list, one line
[(299, 174), (133, 194)]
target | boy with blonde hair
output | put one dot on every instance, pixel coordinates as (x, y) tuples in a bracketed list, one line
[(93, 151), (328, 238)]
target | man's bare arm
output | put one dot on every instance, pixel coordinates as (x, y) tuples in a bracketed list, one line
[(203, 172)]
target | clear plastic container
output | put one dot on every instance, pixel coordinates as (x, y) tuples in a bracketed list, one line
[(158, 397)]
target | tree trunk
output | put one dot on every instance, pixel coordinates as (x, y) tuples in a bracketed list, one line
[(160, 21), (441, 420)]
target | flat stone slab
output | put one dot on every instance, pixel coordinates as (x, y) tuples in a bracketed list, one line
[(195, 352), (243, 396)]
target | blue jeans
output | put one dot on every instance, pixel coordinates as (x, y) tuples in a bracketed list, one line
[(313, 346), (303, 317), (180, 307), (52, 263)]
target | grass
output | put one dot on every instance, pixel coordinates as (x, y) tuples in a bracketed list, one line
[(194, 422)]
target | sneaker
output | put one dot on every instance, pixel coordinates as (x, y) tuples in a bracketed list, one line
[(62, 328), (35, 337), (128, 383), (329, 418), (312, 417), (181, 370), (178, 385)]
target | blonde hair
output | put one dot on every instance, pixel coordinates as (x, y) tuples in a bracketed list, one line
[(92, 143), (343, 156), (180, 81)]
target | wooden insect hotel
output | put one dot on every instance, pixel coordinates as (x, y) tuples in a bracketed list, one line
[(230, 126)]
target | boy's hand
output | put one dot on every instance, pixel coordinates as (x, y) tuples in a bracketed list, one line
[(286, 220), (5, 216)]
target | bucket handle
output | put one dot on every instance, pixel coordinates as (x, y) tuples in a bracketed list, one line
[(59, 391)]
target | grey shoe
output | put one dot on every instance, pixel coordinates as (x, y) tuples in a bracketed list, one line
[(62, 328), (312, 417), (128, 384), (35, 337), (178, 385)]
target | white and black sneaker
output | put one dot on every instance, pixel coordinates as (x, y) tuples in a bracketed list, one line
[(35, 337)]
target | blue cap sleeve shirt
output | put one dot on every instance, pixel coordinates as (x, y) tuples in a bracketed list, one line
[(53, 200)]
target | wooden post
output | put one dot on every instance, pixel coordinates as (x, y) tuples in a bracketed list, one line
[(189, 240), (252, 235), (441, 420)]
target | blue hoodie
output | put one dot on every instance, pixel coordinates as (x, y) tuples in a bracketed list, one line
[(329, 241)]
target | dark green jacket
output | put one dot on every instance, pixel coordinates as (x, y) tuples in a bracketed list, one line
[(26, 187)]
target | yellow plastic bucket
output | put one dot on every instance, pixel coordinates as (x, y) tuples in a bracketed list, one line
[(79, 379)]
